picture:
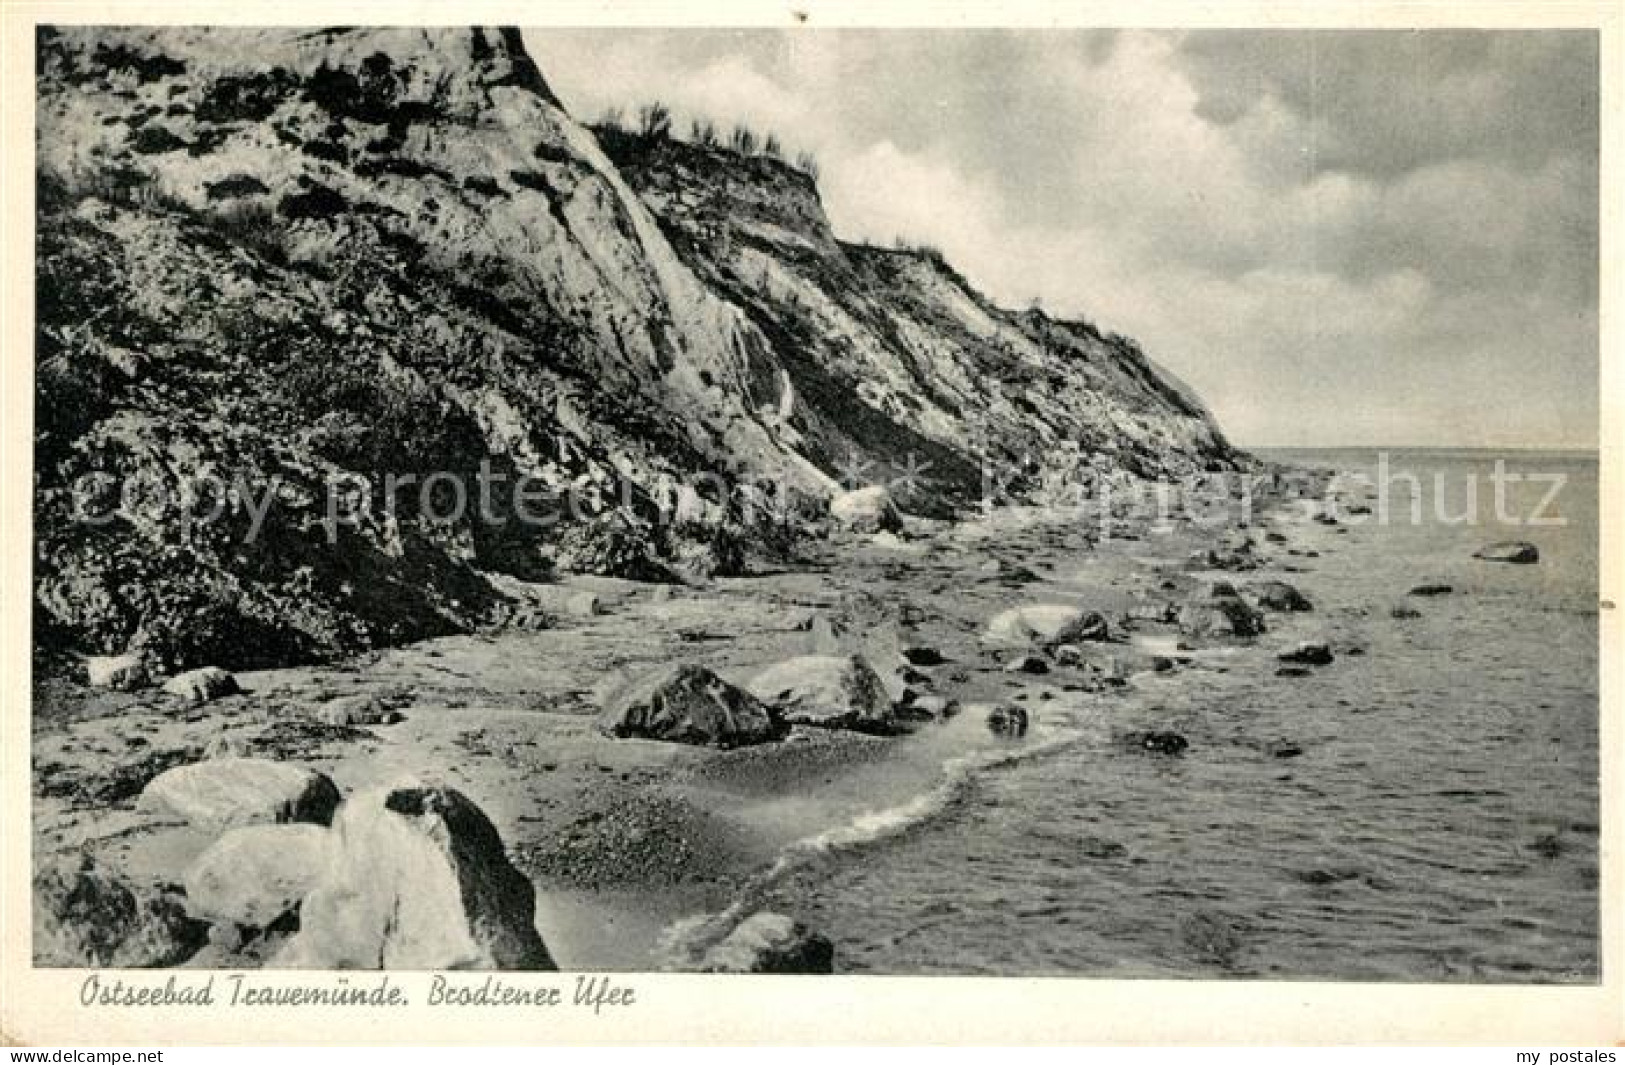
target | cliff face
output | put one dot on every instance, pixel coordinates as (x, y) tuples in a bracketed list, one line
[(277, 257), (894, 351)]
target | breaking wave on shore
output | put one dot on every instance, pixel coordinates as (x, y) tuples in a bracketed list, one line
[(685, 941)]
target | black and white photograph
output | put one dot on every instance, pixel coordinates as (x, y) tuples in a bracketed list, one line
[(1041, 501)]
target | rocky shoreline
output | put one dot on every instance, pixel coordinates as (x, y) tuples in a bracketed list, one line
[(637, 762)]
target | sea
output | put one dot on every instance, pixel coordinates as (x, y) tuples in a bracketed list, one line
[(1423, 809)]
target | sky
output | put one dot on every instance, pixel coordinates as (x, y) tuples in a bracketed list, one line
[(1335, 237)]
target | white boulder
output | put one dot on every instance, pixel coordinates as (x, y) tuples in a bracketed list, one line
[(1046, 625), (419, 880), (831, 691), (241, 791), (253, 875)]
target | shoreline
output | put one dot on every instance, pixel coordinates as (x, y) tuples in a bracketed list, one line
[(630, 841), (621, 838)]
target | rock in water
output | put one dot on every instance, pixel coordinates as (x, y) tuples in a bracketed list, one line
[(202, 685), (240, 791), (120, 672), (1279, 596), (86, 917), (770, 943), (830, 691), (1308, 653), (689, 704), (867, 510), (419, 880), (1157, 742), (1045, 624), (1212, 938), (1517, 552), (253, 875)]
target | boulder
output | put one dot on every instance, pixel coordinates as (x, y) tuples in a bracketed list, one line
[(1095, 847), (354, 710), (87, 917), (867, 510), (120, 672), (923, 656), (770, 943), (1157, 612), (1517, 552), (904, 684), (253, 875), (1228, 558), (1045, 625), (704, 552), (831, 691), (1279, 596), (1220, 617), (1071, 655), (202, 685), (1156, 741), (1027, 664), (239, 791), (828, 637), (419, 879), (612, 545), (934, 707), (910, 675), (1013, 573), (689, 704), (531, 618), (226, 746), (911, 711), (584, 605), (1308, 653), (1011, 721)]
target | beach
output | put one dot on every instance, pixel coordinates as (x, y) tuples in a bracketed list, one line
[(1371, 789)]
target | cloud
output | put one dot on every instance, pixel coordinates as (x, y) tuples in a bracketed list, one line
[(1385, 102), (1335, 237)]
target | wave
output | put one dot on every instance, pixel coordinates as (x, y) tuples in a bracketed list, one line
[(686, 941)]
